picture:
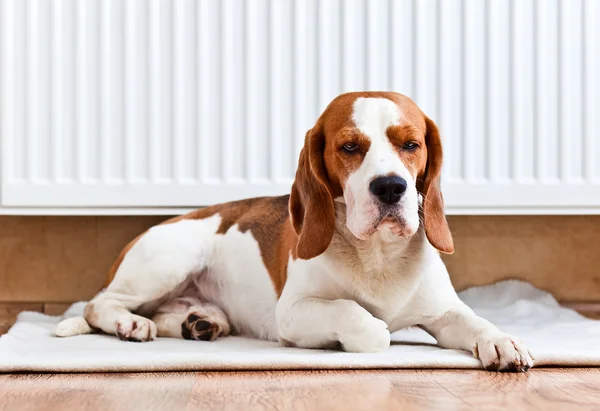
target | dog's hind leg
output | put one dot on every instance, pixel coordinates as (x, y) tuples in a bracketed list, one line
[(192, 319), (111, 313), (72, 326), (160, 261)]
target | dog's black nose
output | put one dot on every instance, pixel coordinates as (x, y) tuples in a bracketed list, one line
[(388, 189)]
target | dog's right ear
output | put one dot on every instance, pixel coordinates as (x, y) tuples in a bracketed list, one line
[(311, 203)]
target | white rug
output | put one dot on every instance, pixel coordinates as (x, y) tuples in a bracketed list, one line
[(555, 336)]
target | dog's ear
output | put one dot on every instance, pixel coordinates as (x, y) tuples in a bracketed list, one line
[(434, 218), (311, 203)]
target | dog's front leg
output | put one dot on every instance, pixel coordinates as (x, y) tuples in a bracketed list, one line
[(461, 328), (319, 323)]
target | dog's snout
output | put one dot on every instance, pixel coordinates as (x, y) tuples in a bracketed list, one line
[(388, 189)]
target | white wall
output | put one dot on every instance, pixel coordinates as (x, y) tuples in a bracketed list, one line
[(121, 106)]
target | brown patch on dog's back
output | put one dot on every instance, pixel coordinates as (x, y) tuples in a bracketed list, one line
[(268, 222), (267, 219)]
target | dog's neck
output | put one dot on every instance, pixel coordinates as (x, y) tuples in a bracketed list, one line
[(376, 269), (382, 250)]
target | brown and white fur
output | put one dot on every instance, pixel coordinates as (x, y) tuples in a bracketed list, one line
[(339, 262)]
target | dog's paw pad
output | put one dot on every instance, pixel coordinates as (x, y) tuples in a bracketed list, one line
[(198, 327)]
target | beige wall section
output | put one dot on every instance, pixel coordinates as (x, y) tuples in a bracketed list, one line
[(558, 253), (63, 259)]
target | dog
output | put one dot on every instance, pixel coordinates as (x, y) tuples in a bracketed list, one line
[(351, 255)]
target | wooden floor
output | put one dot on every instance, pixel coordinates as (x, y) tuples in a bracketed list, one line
[(543, 389)]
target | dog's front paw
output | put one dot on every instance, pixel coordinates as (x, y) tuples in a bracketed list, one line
[(366, 334), (136, 328), (501, 352)]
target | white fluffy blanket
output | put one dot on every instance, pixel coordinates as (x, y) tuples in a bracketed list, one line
[(555, 336)]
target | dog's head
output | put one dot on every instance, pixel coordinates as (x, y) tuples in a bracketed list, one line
[(379, 154)]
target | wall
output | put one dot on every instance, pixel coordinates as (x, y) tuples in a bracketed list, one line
[(48, 262)]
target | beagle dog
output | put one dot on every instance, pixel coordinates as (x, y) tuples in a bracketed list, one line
[(348, 257)]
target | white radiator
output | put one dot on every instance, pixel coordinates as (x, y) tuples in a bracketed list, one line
[(158, 103)]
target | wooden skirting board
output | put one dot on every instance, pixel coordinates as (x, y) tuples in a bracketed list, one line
[(590, 310)]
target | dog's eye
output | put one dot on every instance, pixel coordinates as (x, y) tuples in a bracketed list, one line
[(410, 146), (350, 147)]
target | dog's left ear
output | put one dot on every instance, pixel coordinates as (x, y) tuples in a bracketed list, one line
[(434, 217)]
